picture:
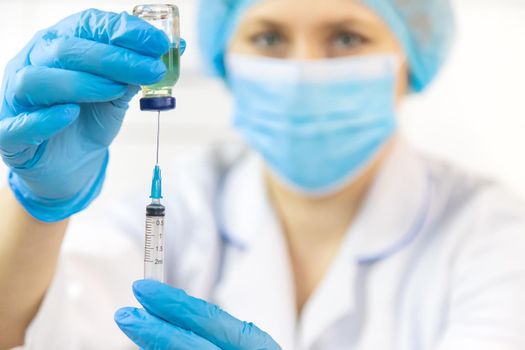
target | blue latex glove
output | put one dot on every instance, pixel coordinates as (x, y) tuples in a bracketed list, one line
[(64, 97), (174, 320)]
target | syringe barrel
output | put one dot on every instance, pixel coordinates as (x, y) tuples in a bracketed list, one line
[(154, 242)]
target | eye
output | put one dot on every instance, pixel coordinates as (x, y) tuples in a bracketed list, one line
[(347, 41), (268, 40)]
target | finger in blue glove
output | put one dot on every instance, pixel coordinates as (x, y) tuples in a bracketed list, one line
[(150, 332), (203, 319)]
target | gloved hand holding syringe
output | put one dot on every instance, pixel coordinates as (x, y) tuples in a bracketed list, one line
[(158, 97)]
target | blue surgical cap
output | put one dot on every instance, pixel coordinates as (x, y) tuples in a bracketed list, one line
[(424, 28)]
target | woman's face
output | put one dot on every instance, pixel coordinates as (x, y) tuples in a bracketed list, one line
[(315, 29)]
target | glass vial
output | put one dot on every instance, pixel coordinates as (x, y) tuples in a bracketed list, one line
[(166, 18)]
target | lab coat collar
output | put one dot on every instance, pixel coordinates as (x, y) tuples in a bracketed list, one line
[(243, 188), (395, 208)]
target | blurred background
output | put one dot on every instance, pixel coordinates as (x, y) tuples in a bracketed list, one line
[(474, 115)]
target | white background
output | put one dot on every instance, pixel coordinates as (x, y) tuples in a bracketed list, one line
[(474, 115)]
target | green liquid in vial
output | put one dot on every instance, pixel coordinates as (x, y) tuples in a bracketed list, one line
[(163, 88)]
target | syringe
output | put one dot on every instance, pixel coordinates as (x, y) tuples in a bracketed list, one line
[(155, 213), (158, 97)]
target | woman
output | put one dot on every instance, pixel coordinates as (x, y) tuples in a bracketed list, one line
[(327, 231)]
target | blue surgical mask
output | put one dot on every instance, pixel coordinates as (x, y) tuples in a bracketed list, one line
[(317, 124)]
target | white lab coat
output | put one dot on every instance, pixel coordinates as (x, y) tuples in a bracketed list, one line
[(435, 260)]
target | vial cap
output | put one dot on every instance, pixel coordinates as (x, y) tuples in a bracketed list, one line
[(164, 103)]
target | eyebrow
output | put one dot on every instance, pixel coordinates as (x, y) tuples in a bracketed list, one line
[(278, 24), (270, 23)]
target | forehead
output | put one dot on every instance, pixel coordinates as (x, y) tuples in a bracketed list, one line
[(307, 12)]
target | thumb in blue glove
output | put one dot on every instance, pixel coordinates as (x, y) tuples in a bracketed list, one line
[(171, 319)]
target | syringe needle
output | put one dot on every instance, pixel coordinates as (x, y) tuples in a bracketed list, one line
[(156, 184), (158, 137)]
